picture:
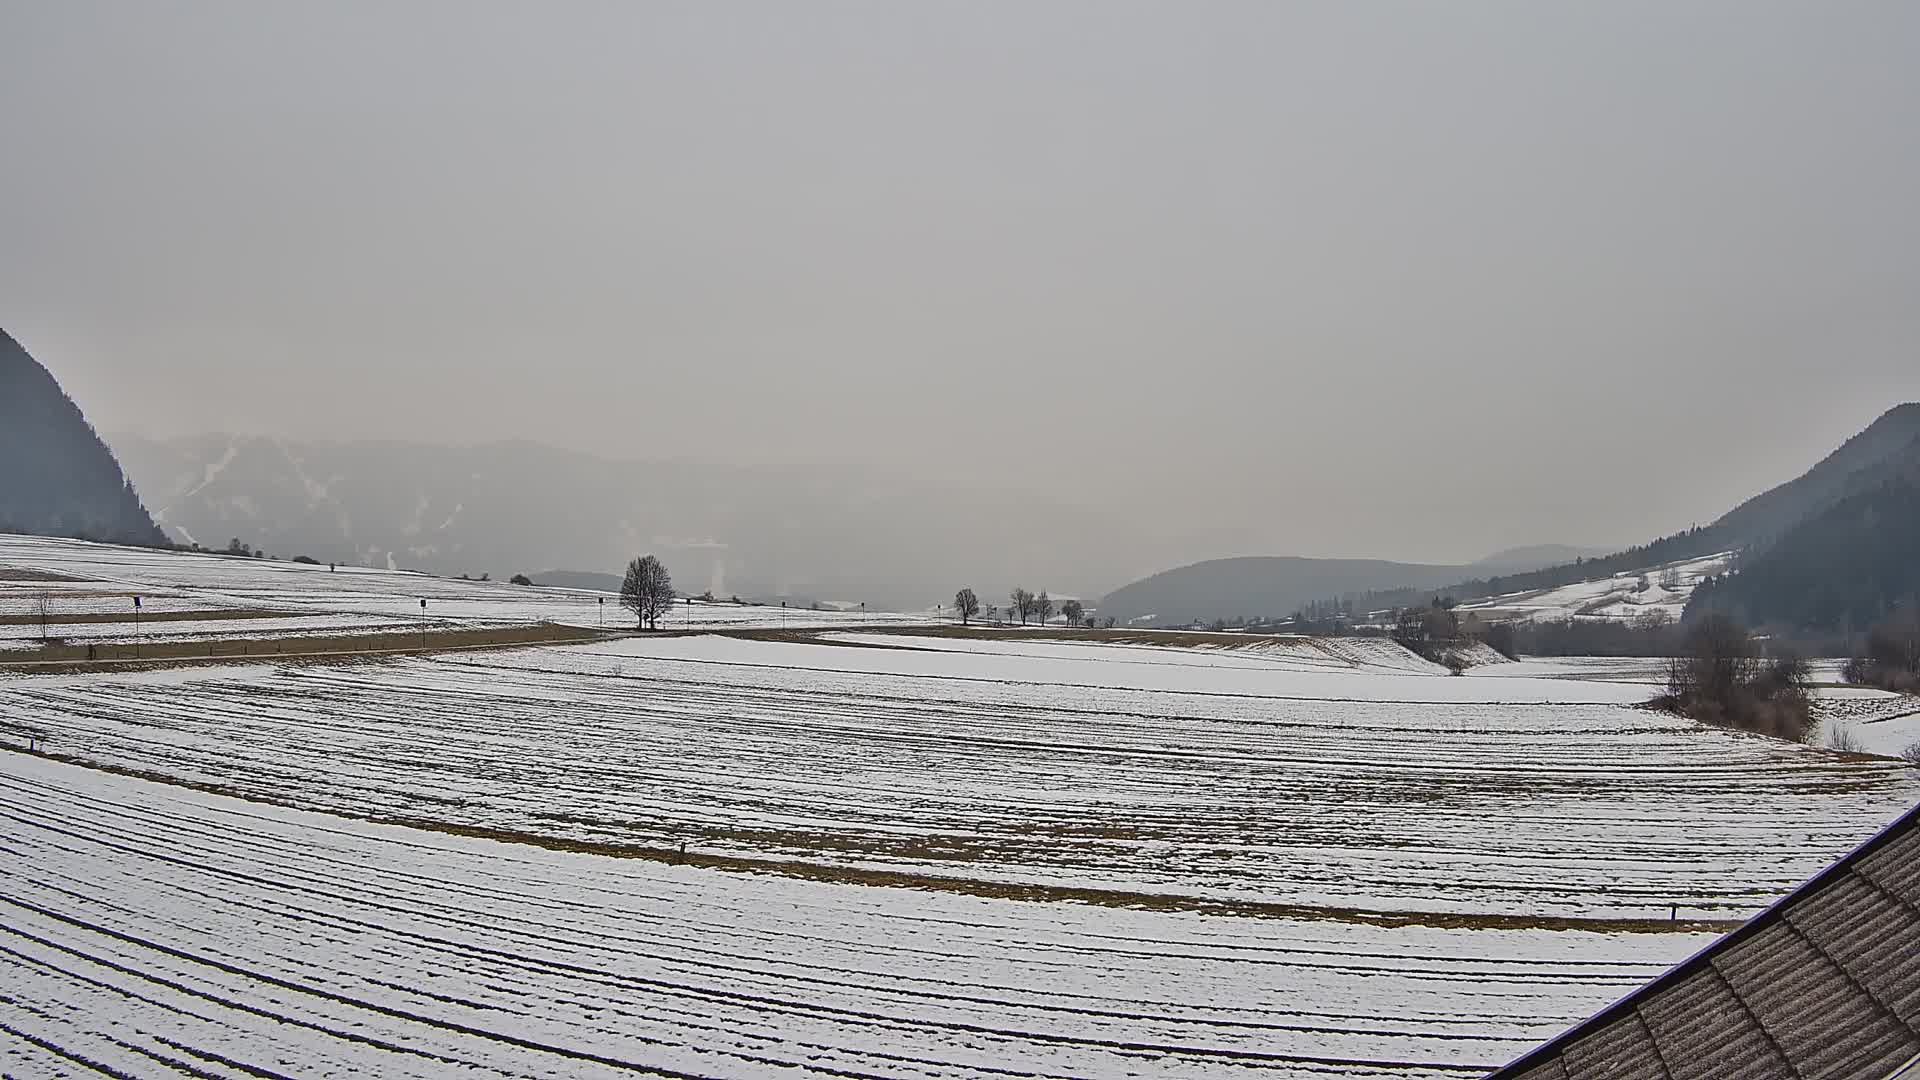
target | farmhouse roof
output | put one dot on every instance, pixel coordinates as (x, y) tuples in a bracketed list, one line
[(1825, 983)]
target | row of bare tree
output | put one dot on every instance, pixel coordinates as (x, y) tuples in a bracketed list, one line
[(1022, 605)]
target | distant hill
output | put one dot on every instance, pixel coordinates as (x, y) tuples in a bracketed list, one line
[(1262, 586), (1862, 461), (1518, 560), (578, 579), (1274, 586), (1838, 571), (56, 477), (1886, 451)]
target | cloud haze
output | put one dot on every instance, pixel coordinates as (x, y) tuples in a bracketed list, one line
[(1277, 271)]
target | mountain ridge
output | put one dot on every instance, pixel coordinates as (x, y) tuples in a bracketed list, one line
[(57, 477)]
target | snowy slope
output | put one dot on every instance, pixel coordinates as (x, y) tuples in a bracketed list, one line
[(1616, 597)]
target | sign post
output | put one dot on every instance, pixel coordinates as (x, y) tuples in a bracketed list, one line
[(138, 635), (423, 624)]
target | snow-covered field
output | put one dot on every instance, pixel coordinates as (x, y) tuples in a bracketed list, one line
[(1179, 773), (906, 853), (187, 581), (145, 928), (1617, 597)]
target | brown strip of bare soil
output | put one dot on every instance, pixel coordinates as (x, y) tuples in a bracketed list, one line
[(21, 573), (74, 659), (1176, 638)]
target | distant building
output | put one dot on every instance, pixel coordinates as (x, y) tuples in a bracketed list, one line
[(1826, 983)]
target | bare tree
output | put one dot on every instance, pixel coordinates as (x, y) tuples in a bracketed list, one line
[(1021, 604), (647, 590), (967, 604), (1043, 607), (1074, 611), (43, 606), (1719, 657), (1719, 678)]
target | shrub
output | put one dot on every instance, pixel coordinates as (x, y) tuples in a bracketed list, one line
[(1892, 660), (1719, 678), (519, 579), (1503, 639), (1911, 755), (306, 560)]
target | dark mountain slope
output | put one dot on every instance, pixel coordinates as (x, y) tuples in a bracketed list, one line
[(1837, 572), (1892, 441), (56, 477)]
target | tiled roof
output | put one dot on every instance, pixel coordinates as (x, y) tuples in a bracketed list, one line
[(1826, 983)]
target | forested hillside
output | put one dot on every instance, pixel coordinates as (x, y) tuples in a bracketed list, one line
[(1838, 572), (56, 477)]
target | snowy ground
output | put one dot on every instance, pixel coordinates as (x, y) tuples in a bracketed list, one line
[(1615, 597), (970, 856), (144, 925), (1174, 772), (110, 576)]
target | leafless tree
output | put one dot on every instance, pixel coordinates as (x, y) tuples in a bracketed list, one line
[(967, 604), (647, 590), (1718, 656), (43, 606), (1043, 607), (1720, 678), (1074, 611), (1020, 604)]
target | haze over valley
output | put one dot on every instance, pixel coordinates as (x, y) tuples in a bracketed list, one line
[(958, 541)]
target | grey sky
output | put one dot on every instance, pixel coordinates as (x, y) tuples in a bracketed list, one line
[(1574, 273)]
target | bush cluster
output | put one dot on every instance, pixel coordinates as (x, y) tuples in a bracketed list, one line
[(1720, 678)]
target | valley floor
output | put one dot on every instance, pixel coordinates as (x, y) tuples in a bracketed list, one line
[(146, 928), (847, 852)]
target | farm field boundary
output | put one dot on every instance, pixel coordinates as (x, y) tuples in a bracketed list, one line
[(121, 656)]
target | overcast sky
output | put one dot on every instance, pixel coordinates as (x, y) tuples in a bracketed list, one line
[(1539, 272)]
